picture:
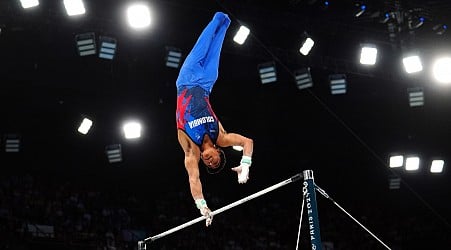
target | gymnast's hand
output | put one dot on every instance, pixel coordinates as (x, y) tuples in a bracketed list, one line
[(243, 169), (205, 211), (201, 204), (243, 173)]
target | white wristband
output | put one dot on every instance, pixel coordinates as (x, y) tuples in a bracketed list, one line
[(246, 161), (200, 203)]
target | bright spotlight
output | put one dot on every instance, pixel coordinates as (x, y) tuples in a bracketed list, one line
[(368, 55), (412, 64), (85, 126), (74, 7), (437, 166), (442, 70), (307, 46), (138, 16), (29, 3), (132, 130), (241, 35), (412, 163), (396, 161)]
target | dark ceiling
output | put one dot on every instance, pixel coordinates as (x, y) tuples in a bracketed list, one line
[(46, 88)]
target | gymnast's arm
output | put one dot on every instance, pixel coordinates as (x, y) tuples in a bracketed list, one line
[(233, 139), (192, 167), (192, 158)]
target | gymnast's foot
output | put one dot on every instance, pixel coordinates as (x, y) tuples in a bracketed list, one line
[(222, 17)]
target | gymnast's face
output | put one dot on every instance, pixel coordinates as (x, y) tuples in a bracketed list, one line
[(211, 157)]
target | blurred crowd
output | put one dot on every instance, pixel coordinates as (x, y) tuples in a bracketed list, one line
[(44, 213)]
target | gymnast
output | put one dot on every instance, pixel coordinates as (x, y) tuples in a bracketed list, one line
[(200, 134)]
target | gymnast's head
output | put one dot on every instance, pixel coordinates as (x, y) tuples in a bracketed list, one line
[(214, 159)]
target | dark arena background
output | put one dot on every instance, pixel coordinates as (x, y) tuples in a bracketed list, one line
[(59, 189)]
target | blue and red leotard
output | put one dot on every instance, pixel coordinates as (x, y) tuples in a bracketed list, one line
[(196, 79)]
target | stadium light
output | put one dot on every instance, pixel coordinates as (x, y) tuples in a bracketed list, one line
[(307, 44), (85, 126), (29, 3), (303, 78), (132, 130), (437, 166), (442, 70), (412, 64), (114, 153), (337, 84), (173, 57), (138, 16), (74, 7), (412, 163), (416, 97), (394, 182), (241, 35), (12, 143), (107, 48), (368, 54), (396, 161), (267, 72), (86, 44)]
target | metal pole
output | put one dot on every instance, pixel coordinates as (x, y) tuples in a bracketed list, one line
[(300, 218), (322, 192), (141, 244), (312, 211)]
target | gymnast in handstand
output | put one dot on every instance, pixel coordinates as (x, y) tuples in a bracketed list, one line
[(199, 131)]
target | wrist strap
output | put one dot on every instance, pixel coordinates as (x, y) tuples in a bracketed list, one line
[(246, 161), (200, 203)]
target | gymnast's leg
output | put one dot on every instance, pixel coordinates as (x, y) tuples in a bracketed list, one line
[(206, 39), (193, 67), (211, 63)]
